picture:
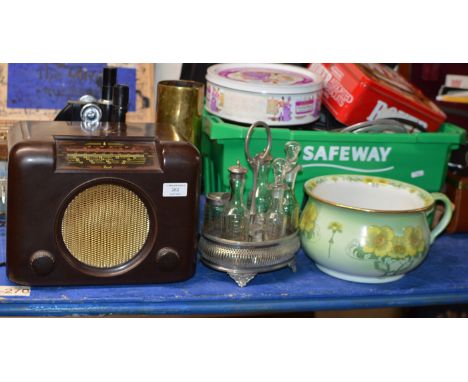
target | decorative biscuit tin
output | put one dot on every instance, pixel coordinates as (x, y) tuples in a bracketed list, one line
[(280, 95)]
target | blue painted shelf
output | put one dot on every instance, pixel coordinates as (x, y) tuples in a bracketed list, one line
[(441, 279)]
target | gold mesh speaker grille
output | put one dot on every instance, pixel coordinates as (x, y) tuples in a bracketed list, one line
[(105, 226)]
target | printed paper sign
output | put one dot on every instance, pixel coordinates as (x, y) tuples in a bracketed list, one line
[(51, 86)]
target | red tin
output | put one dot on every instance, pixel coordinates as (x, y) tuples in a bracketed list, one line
[(364, 92)]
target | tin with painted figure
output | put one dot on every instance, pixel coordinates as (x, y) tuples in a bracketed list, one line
[(281, 95)]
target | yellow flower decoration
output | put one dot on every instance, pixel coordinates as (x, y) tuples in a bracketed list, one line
[(379, 241), (381, 181), (414, 240), (309, 215), (335, 227), (371, 179), (311, 185), (399, 248)]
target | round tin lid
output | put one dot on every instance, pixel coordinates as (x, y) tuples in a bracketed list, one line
[(264, 78)]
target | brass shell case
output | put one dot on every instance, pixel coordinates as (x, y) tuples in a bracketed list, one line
[(179, 110)]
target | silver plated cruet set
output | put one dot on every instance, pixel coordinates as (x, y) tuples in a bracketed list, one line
[(244, 239)]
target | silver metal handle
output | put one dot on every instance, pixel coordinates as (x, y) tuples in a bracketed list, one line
[(267, 149)]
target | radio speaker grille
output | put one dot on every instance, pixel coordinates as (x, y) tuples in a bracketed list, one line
[(105, 226)]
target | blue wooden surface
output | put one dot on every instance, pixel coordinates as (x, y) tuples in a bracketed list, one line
[(51, 86), (441, 279)]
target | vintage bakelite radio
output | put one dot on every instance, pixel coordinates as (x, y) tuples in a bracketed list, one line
[(107, 205)]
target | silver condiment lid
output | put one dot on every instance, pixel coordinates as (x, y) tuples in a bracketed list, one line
[(262, 160), (218, 198), (237, 169)]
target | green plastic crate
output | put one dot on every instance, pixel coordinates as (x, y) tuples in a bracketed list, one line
[(420, 159)]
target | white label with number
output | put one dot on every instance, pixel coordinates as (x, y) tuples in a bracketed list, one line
[(20, 291), (171, 190)]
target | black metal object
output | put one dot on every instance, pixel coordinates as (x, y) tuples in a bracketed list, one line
[(109, 79), (90, 110), (458, 162), (119, 103)]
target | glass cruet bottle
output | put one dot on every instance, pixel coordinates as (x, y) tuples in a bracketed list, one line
[(261, 197), (235, 217), (276, 222), (291, 205), (214, 213)]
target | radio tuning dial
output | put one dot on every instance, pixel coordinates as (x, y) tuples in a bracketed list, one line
[(167, 259), (42, 262)]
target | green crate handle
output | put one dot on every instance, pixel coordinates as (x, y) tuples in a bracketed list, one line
[(450, 128)]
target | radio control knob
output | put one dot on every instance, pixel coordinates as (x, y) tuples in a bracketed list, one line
[(167, 259), (42, 262)]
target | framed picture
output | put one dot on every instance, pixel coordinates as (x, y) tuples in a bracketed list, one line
[(39, 91)]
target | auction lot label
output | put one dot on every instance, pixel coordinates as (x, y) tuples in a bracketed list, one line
[(19, 291)]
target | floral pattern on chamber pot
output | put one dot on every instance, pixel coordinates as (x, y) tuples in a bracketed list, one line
[(357, 239)]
